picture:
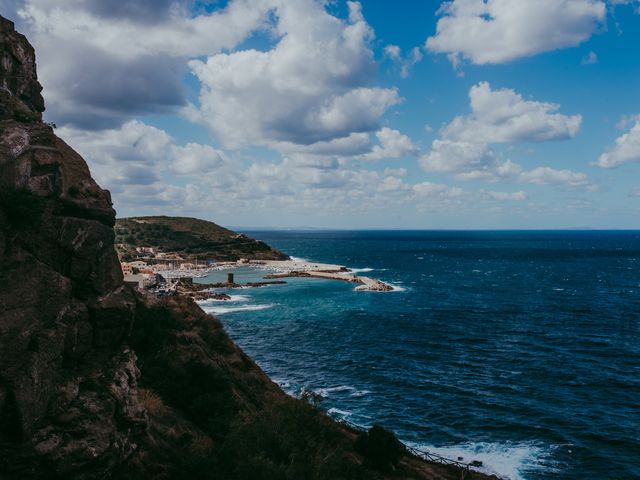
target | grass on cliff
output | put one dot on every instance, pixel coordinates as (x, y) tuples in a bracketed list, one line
[(215, 415), (188, 236)]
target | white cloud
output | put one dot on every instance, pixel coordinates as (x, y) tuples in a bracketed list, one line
[(392, 144), (503, 116), (500, 116), (498, 31), (477, 161), (590, 59), (450, 156), (438, 190), (312, 86), (130, 162), (625, 150), (546, 175), (107, 60), (114, 154), (404, 63), (393, 52), (129, 36), (195, 159), (507, 196)]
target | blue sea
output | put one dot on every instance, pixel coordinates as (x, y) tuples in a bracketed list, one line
[(519, 349)]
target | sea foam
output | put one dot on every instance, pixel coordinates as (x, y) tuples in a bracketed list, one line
[(352, 391), (231, 299), (216, 310), (506, 460)]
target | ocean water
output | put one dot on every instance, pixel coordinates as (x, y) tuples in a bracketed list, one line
[(519, 349)]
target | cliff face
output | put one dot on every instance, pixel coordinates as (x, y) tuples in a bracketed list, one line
[(68, 399)]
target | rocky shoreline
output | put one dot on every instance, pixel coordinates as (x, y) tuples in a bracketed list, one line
[(206, 291)]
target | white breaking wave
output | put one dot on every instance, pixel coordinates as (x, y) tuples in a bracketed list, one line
[(506, 460), (354, 392), (298, 259), (336, 411), (360, 270), (232, 299), (216, 310), (397, 288)]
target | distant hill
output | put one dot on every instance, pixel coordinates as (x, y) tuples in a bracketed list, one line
[(189, 236)]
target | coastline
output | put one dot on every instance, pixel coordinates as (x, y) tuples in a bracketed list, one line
[(301, 268)]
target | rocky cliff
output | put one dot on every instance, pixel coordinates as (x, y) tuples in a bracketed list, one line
[(95, 381), (68, 398)]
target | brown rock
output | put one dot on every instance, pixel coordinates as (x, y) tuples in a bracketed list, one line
[(68, 384)]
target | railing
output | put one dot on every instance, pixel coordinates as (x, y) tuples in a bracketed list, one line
[(425, 455)]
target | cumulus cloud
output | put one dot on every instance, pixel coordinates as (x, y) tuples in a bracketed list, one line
[(450, 156), (546, 175), (311, 87), (625, 150), (503, 116), (392, 144), (498, 31), (404, 63), (101, 62), (438, 190), (506, 196), (135, 160), (113, 152), (135, 29), (130, 162), (195, 159), (478, 161), (92, 89), (500, 116), (314, 84)]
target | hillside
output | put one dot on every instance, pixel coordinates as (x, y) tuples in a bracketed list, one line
[(189, 237)]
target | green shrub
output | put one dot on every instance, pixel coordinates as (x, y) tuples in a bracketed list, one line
[(380, 448), (25, 116)]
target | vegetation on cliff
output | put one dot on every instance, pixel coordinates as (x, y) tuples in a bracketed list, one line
[(188, 236)]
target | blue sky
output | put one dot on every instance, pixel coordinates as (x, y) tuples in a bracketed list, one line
[(371, 114)]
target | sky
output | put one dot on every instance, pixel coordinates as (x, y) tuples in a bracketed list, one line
[(463, 114)]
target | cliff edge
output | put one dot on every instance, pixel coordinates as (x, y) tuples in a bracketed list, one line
[(68, 398), (97, 382)]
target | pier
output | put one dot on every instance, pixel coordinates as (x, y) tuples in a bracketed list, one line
[(331, 272)]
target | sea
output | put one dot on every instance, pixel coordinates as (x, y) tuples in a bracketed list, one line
[(517, 349)]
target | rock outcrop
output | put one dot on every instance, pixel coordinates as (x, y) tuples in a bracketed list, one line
[(68, 397)]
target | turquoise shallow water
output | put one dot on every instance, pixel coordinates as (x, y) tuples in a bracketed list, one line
[(519, 349)]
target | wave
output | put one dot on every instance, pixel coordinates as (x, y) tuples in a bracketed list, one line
[(353, 271), (231, 299), (299, 259), (397, 288), (337, 411), (505, 460), (240, 308), (353, 392)]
